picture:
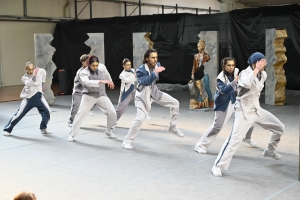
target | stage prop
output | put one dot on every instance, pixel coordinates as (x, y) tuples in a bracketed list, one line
[(275, 55), (96, 43), (210, 68), (141, 43), (43, 59)]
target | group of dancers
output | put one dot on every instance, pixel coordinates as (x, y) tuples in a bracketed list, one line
[(235, 94)]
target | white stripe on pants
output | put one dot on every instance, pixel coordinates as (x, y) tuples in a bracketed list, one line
[(167, 101), (240, 126), (87, 102)]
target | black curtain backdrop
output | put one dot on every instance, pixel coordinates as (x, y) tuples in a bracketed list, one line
[(175, 36)]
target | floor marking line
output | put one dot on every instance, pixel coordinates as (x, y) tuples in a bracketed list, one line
[(282, 190)]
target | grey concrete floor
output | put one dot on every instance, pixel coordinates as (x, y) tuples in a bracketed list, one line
[(161, 166)]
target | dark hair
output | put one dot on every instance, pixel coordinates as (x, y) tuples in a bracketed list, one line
[(147, 53), (125, 61), (224, 62), (92, 59), (84, 57), (25, 196)]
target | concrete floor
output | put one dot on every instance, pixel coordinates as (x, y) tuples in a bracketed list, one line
[(161, 166)]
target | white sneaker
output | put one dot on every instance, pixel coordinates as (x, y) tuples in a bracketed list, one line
[(45, 131), (70, 138), (216, 170), (70, 124), (250, 142), (110, 134), (91, 113), (200, 150), (6, 133), (176, 131), (273, 155), (127, 146)]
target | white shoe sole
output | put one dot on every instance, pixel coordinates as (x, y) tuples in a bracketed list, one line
[(111, 137), (200, 151), (265, 154), (215, 174), (70, 139), (174, 132), (127, 148), (46, 132), (6, 133), (249, 142)]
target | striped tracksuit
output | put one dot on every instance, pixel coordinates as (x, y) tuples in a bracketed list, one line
[(223, 107), (247, 112), (32, 97)]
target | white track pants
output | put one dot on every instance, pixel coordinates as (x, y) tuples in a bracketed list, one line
[(87, 102), (240, 126), (167, 101)]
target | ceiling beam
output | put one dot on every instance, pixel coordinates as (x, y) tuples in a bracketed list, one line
[(261, 3)]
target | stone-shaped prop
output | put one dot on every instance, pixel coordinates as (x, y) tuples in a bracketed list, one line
[(275, 56), (141, 43), (43, 59), (96, 43)]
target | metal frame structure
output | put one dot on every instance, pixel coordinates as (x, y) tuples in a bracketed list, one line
[(88, 2), (27, 18), (139, 5)]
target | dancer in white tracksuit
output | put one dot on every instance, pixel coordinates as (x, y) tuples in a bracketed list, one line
[(147, 92), (247, 112), (106, 76), (78, 87), (32, 95), (223, 105), (93, 82), (127, 90)]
